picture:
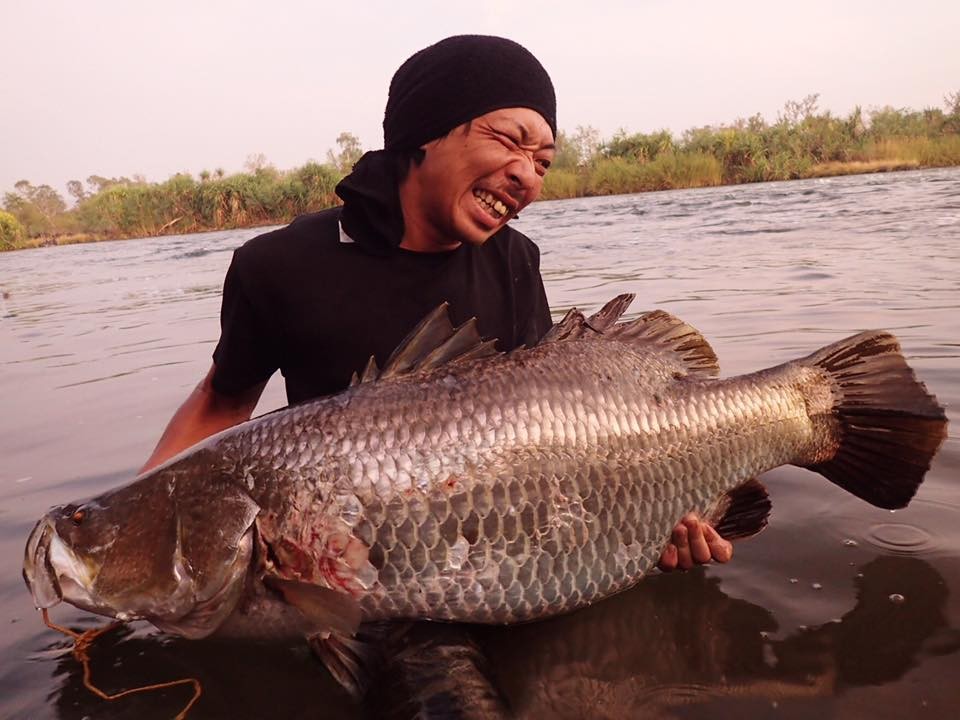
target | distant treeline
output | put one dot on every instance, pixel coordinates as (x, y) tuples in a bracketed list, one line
[(801, 143)]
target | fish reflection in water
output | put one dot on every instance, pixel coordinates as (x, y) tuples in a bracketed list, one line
[(672, 642), (669, 643)]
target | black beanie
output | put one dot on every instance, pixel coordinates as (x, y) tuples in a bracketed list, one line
[(458, 79)]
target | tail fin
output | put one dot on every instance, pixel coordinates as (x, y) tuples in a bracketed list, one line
[(890, 426)]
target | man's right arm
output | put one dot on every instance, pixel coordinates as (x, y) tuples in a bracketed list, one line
[(202, 414)]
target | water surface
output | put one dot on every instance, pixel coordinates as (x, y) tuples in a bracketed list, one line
[(838, 608)]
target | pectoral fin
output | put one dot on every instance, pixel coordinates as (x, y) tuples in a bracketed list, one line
[(326, 610)]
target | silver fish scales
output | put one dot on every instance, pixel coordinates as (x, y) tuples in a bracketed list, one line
[(463, 484), (506, 499)]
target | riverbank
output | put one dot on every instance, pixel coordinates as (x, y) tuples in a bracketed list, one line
[(603, 183), (739, 161), (801, 144)]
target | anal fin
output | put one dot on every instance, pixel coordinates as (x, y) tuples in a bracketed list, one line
[(355, 662), (742, 512)]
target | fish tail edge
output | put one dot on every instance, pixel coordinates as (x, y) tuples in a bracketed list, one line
[(890, 426)]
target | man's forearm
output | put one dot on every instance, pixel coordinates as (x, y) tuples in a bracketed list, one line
[(204, 413)]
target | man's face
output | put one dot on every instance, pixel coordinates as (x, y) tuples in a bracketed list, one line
[(475, 179)]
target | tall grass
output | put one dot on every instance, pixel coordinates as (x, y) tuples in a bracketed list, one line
[(182, 204)]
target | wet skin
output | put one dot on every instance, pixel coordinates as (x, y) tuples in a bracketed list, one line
[(506, 154)]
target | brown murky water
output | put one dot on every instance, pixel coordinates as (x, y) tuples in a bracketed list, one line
[(838, 609)]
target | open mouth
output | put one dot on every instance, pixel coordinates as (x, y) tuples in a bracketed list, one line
[(491, 205), (37, 570)]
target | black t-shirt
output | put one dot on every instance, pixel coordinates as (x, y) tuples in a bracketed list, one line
[(301, 300)]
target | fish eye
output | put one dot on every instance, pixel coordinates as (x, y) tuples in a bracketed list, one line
[(78, 516)]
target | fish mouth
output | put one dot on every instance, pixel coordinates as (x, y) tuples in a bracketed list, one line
[(55, 574), (38, 570)]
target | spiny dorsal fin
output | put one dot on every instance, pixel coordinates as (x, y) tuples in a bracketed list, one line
[(370, 373), (658, 328), (431, 332), (465, 339), (610, 313), (574, 325), (481, 350), (433, 342)]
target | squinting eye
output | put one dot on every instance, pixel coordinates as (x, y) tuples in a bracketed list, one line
[(77, 517), (545, 164), (509, 139)]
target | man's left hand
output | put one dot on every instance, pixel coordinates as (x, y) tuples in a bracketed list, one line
[(694, 542)]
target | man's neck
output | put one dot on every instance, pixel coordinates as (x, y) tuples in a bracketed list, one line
[(419, 235)]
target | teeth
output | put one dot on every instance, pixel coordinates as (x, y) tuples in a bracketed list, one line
[(491, 202)]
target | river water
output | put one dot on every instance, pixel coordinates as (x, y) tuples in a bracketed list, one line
[(838, 608)]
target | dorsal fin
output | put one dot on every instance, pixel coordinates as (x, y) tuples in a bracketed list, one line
[(659, 328), (431, 332), (433, 342), (664, 330), (370, 373), (610, 313), (574, 325), (465, 339)]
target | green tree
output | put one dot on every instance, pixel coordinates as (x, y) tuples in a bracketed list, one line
[(258, 166), (75, 188), (952, 121), (796, 111), (576, 150), (350, 152), (11, 231), (37, 207)]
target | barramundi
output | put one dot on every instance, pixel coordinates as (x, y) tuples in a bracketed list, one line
[(459, 483)]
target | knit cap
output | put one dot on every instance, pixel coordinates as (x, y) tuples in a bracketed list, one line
[(458, 79)]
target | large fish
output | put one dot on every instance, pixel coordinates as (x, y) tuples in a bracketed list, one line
[(468, 485)]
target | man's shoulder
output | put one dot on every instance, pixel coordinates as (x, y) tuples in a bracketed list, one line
[(513, 244), (312, 234)]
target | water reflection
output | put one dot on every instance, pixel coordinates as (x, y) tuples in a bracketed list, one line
[(670, 646), (238, 681)]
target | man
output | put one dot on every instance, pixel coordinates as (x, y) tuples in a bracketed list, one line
[(469, 133)]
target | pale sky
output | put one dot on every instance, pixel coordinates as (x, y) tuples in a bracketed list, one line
[(114, 87)]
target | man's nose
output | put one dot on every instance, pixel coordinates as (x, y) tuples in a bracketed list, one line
[(522, 172)]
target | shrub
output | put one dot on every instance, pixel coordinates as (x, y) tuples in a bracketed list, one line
[(11, 231)]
